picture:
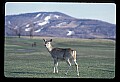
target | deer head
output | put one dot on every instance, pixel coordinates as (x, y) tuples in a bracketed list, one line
[(48, 44)]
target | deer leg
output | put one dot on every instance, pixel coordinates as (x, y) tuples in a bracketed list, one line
[(76, 67), (55, 66), (54, 69), (68, 62)]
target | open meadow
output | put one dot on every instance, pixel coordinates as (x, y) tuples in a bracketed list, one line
[(96, 58)]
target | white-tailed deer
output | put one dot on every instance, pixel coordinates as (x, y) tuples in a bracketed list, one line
[(66, 54), (34, 44)]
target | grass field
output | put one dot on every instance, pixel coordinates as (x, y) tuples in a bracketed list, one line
[(96, 58)]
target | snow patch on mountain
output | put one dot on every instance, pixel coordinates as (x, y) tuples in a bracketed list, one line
[(27, 25), (9, 22), (28, 29), (56, 16), (47, 18), (16, 27), (61, 24), (70, 33), (37, 16), (43, 23), (39, 29)]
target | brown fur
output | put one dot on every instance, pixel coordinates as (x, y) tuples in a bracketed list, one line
[(67, 54)]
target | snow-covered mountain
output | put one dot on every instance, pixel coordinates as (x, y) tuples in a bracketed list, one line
[(57, 24)]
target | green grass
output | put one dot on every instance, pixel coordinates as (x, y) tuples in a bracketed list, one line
[(96, 58)]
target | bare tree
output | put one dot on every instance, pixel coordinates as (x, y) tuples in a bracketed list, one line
[(31, 32)]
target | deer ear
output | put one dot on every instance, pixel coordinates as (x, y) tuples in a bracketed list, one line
[(50, 40), (44, 40)]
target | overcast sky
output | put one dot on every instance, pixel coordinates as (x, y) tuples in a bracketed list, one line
[(100, 11)]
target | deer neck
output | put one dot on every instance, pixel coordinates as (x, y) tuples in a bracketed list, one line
[(50, 48)]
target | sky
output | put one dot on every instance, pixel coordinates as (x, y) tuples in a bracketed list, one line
[(100, 11)]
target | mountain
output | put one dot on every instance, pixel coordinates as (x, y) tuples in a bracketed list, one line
[(57, 24)]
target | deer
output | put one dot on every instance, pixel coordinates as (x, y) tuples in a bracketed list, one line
[(62, 54), (34, 44)]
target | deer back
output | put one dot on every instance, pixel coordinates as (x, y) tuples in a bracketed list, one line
[(61, 53)]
